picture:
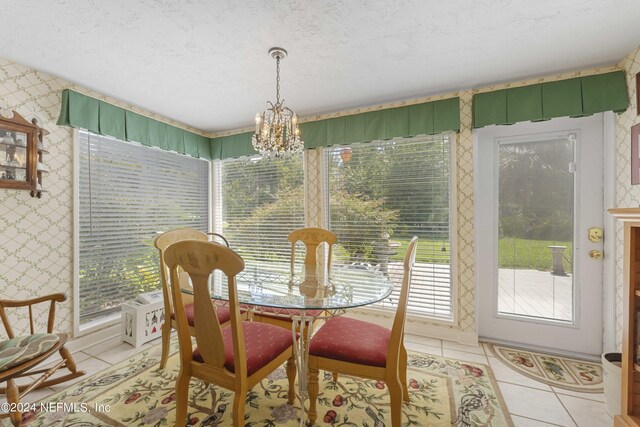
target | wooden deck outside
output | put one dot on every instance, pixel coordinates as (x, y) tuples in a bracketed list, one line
[(535, 293)]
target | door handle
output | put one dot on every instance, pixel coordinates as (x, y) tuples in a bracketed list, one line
[(596, 254)]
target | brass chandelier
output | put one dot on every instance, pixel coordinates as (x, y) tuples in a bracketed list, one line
[(277, 131)]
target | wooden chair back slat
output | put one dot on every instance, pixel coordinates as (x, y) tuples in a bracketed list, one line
[(397, 330), (52, 317), (5, 322), (199, 259), (161, 243), (312, 237), (31, 328)]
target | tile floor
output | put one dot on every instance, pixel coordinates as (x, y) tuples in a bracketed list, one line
[(531, 403)]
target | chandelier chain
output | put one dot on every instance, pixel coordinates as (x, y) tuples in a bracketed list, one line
[(278, 80)]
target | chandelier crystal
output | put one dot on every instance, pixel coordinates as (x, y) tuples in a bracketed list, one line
[(277, 131)]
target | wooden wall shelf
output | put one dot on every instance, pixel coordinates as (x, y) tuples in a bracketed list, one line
[(22, 152)]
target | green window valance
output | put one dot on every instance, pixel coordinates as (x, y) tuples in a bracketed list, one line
[(426, 118), (576, 97), (82, 111)]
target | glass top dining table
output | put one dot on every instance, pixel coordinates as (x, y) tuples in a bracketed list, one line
[(272, 286)]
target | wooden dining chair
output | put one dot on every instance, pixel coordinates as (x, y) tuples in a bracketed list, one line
[(162, 242), (19, 355), (365, 349), (312, 238), (236, 357)]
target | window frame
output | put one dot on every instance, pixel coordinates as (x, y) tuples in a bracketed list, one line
[(112, 320), (389, 312), (217, 219), (215, 225)]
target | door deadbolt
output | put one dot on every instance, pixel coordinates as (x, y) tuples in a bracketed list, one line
[(595, 234), (595, 254)]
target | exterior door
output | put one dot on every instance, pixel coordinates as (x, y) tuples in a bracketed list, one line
[(539, 194)]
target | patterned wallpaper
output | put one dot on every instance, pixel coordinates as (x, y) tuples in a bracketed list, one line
[(36, 235), (627, 196)]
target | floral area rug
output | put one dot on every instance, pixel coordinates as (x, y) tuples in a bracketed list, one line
[(444, 392), (557, 371)]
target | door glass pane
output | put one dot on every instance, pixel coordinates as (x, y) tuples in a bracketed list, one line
[(535, 226)]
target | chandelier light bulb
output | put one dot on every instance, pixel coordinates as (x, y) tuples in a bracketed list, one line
[(258, 119)]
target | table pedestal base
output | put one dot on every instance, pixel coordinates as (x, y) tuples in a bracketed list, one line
[(303, 324)]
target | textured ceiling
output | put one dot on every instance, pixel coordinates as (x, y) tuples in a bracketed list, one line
[(205, 62)]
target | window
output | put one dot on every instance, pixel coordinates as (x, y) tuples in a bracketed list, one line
[(258, 202), (382, 193), (128, 194)]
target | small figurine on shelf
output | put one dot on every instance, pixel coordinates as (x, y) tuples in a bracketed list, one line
[(10, 172), (12, 158), (8, 138)]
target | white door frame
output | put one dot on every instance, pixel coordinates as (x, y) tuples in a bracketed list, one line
[(609, 267), (608, 126)]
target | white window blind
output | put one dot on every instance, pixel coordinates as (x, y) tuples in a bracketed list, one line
[(258, 202), (379, 195), (128, 194)]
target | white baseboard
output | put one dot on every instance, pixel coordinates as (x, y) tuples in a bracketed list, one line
[(441, 332), (415, 327), (93, 338)]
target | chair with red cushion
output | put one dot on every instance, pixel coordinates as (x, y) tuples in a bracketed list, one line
[(312, 238), (162, 242), (236, 357), (365, 349)]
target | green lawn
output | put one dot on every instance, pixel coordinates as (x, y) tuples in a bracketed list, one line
[(514, 253), (430, 251), (530, 254)]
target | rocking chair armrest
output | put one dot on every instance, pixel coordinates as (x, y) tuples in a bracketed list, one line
[(58, 297), (7, 303)]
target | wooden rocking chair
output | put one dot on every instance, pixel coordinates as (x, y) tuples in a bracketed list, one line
[(18, 355)]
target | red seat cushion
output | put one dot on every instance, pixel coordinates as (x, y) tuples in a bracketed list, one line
[(262, 343), (224, 315), (351, 340)]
